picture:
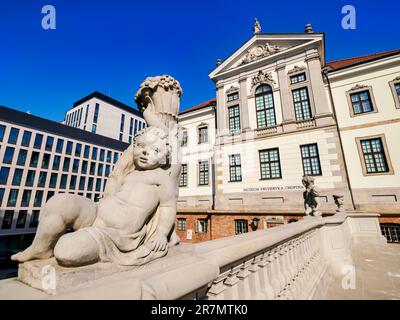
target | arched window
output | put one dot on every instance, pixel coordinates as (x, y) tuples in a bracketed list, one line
[(265, 108)]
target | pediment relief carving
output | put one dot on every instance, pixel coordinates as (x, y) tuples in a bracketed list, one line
[(262, 77), (258, 52), (232, 89), (296, 69), (358, 87)]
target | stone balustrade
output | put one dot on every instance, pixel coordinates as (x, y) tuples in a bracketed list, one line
[(266, 131), (305, 124), (294, 261)]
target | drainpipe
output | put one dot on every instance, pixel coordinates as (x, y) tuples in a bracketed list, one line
[(213, 176), (325, 73)]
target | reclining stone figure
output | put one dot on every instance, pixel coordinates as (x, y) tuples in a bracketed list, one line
[(133, 223)]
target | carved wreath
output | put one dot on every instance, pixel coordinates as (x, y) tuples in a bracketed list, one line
[(232, 89), (258, 52), (296, 69)]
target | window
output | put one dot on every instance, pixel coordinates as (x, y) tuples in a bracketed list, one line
[(75, 165), (86, 113), (30, 178), (68, 150), (38, 199), (203, 135), (17, 177), (8, 219), (38, 141), (374, 156), (1, 195), (13, 137), (100, 170), (26, 138), (181, 224), (56, 162), (92, 168), (8, 155), (361, 102), (34, 159), (89, 195), (310, 158), (201, 225), (241, 226), (66, 165), (233, 96), (121, 136), (90, 184), (203, 172), (94, 153), (53, 180), (21, 220), (59, 146), (121, 127), (116, 155), (4, 171), (391, 231), (96, 113), (82, 183), (297, 78), (270, 164), (136, 127), (78, 148), (184, 176), (45, 161), (86, 152), (102, 152), (12, 198), (26, 198), (2, 131), (235, 168), (94, 128), (394, 85), (184, 138), (42, 179), (33, 223), (22, 157), (49, 143), (72, 182), (301, 104), (84, 167), (131, 126), (49, 195), (234, 119), (63, 182), (109, 155), (107, 171), (265, 108), (96, 197), (98, 184)]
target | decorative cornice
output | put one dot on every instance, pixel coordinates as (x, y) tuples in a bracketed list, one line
[(262, 77), (232, 89), (296, 69), (358, 86), (259, 52)]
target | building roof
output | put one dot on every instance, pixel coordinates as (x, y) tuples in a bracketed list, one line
[(211, 102), (109, 100), (349, 62), (41, 124)]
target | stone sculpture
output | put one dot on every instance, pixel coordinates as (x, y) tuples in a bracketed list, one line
[(310, 195), (257, 26), (339, 201), (134, 221)]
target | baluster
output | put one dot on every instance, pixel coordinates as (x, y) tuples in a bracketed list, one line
[(231, 284), (265, 277), (243, 286)]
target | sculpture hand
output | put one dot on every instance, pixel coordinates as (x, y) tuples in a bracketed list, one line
[(159, 242)]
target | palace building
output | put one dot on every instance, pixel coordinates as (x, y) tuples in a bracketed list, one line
[(281, 111)]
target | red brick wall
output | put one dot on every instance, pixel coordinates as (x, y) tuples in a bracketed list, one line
[(191, 224), (389, 220)]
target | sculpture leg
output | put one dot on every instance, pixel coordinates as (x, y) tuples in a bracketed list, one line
[(76, 249), (61, 212)]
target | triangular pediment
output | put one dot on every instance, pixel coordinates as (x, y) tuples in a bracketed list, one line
[(263, 47)]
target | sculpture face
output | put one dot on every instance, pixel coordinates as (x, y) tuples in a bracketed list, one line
[(150, 151)]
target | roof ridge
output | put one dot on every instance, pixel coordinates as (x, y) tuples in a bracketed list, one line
[(363, 56)]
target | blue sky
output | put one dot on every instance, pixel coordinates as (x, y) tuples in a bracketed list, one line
[(111, 46)]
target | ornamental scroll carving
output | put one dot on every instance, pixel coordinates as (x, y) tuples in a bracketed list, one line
[(262, 77), (296, 69), (259, 52)]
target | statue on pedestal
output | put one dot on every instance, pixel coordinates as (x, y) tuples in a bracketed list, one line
[(310, 195), (133, 223), (257, 26)]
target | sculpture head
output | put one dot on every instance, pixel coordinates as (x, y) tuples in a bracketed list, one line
[(151, 149), (308, 181)]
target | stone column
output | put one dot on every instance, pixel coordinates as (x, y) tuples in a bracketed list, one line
[(317, 86), (288, 118), (244, 108), (220, 109)]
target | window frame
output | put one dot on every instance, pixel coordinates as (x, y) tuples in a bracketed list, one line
[(183, 174), (396, 97), (244, 222), (311, 157), (234, 118), (235, 166), (304, 87), (199, 134), (279, 163), (199, 172), (265, 110), (357, 90)]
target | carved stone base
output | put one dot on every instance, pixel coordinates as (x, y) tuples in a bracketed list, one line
[(48, 276)]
